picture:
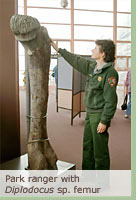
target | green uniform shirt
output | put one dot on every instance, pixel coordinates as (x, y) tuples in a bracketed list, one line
[(100, 89)]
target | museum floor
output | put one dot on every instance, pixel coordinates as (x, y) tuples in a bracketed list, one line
[(67, 140)]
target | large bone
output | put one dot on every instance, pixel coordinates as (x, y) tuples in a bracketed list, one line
[(36, 42)]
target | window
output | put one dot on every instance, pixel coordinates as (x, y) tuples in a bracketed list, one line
[(123, 49), (65, 45), (122, 63), (124, 5), (123, 19), (93, 18), (57, 31), (124, 34), (93, 33), (45, 3), (50, 15), (94, 5), (84, 48)]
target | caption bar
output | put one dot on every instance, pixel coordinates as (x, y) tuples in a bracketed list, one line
[(69, 183)]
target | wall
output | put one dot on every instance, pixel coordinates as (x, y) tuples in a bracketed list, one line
[(9, 98)]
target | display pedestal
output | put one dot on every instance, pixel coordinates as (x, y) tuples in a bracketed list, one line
[(21, 163)]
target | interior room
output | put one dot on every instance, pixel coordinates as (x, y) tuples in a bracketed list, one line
[(75, 27)]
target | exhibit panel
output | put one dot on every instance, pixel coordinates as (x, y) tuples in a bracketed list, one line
[(64, 74), (82, 102), (76, 81), (64, 84), (76, 104), (71, 85), (76, 100), (65, 99)]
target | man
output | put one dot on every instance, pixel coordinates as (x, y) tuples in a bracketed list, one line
[(100, 101), (128, 92), (55, 75)]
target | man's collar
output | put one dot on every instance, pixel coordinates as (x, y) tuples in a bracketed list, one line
[(103, 66)]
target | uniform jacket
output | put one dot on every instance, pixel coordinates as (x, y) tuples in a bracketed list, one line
[(100, 89)]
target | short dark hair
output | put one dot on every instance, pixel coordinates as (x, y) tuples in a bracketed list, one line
[(108, 47)]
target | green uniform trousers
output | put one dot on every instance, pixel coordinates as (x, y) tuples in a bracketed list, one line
[(95, 145)]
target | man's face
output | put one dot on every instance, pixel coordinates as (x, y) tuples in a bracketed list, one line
[(96, 54)]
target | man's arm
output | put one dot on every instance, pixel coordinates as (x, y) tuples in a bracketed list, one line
[(81, 64), (110, 97)]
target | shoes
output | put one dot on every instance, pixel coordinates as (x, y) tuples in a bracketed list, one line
[(126, 116)]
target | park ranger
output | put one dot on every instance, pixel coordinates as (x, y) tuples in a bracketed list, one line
[(100, 101)]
